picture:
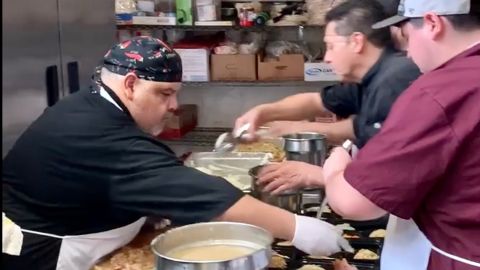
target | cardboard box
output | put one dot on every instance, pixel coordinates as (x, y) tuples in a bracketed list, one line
[(319, 71), (184, 120), (195, 64), (237, 67), (124, 18), (288, 67)]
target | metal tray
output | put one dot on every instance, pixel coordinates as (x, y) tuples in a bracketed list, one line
[(372, 246), (329, 265), (229, 165)]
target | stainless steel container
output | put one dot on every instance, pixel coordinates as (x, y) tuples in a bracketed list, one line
[(290, 200), (229, 164), (214, 233), (308, 147)]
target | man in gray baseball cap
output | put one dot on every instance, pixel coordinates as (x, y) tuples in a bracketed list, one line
[(417, 8), (423, 167)]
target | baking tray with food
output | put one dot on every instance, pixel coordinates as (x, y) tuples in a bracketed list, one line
[(365, 253), (280, 260), (365, 236), (271, 145), (307, 264), (233, 167), (379, 223)]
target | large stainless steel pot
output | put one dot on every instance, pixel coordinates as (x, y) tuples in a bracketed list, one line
[(308, 147), (290, 200), (214, 233)]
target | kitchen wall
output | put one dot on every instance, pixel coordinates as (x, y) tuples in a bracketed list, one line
[(220, 105)]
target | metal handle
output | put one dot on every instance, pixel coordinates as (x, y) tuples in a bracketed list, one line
[(51, 76), (73, 77)]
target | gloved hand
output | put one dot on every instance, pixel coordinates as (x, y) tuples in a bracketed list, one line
[(317, 237)]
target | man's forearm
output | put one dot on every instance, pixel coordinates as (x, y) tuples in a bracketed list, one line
[(347, 201), (279, 222), (297, 107)]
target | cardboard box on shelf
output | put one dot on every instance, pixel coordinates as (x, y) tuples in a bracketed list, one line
[(124, 18), (319, 71), (288, 67), (195, 64), (233, 67), (183, 120)]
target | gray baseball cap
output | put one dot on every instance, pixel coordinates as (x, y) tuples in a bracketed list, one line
[(417, 8)]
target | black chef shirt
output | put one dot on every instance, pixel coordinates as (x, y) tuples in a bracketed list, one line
[(84, 167), (371, 99)]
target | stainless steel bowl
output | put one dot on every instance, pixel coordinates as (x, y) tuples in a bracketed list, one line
[(214, 233), (308, 147), (290, 200)]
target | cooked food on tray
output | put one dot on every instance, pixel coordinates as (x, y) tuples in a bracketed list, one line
[(278, 261), (128, 258), (343, 265), (366, 254), (311, 267), (234, 179), (380, 233), (345, 227), (320, 257), (263, 147), (285, 244), (350, 236)]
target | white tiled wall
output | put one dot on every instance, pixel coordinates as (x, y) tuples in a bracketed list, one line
[(220, 106)]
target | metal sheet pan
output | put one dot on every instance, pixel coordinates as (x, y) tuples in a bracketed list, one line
[(233, 167)]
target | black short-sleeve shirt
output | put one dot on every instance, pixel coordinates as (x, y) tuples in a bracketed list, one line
[(371, 99), (84, 166)]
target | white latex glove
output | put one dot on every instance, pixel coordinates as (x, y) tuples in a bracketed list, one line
[(317, 237)]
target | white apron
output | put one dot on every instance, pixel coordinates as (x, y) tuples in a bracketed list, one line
[(407, 248), (81, 252)]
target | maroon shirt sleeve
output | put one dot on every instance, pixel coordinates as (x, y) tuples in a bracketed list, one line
[(401, 164)]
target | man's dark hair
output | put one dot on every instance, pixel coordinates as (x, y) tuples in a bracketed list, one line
[(359, 16), (466, 22)]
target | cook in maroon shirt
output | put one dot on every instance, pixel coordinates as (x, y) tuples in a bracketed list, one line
[(425, 162)]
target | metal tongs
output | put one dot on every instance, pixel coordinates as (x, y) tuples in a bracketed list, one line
[(227, 141), (347, 145)]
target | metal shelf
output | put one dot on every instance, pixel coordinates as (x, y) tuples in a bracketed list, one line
[(216, 27), (260, 83)]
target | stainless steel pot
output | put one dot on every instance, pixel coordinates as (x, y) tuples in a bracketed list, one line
[(214, 233), (308, 147), (290, 200)]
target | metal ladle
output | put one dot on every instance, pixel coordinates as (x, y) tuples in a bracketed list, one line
[(227, 141)]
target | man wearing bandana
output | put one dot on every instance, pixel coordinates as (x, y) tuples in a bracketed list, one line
[(81, 179)]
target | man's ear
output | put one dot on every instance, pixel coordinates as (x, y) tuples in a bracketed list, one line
[(357, 41), (434, 25), (128, 85)]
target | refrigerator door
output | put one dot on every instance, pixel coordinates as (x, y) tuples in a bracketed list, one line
[(87, 31), (30, 50)]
